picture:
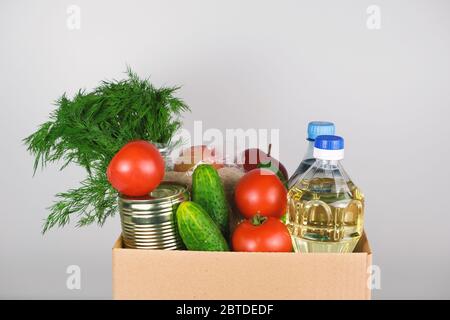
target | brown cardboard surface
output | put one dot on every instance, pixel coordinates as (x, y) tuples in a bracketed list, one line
[(158, 274)]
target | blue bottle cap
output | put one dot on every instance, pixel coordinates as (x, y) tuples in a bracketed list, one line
[(329, 142), (319, 128)]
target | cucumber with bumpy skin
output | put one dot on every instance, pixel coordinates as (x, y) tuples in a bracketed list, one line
[(208, 192), (197, 229)]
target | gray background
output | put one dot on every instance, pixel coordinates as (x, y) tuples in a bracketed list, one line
[(260, 64)]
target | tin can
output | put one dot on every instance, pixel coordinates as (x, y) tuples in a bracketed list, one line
[(149, 222)]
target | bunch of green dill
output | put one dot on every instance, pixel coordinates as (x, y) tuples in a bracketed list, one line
[(89, 130)]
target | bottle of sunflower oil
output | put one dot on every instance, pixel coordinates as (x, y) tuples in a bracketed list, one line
[(325, 208)]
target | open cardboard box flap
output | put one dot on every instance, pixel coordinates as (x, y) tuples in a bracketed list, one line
[(159, 274)]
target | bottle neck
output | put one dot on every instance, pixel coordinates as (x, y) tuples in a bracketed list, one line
[(310, 150), (324, 162), (328, 154)]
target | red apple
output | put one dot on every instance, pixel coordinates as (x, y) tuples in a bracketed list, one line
[(253, 158)]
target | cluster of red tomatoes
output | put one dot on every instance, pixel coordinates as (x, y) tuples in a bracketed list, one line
[(261, 198)]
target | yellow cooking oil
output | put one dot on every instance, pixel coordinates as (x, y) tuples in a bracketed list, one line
[(325, 216)]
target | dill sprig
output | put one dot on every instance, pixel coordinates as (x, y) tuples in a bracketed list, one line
[(89, 129)]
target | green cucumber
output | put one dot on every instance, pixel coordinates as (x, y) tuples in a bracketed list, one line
[(208, 192), (197, 229)]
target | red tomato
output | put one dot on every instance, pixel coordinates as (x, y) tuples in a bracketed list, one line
[(262, 234), (136, 169), (260, 191)]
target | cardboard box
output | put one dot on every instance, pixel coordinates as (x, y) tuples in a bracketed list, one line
[(158, 274)]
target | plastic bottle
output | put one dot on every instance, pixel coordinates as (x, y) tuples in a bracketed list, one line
[(315, 128), (325, 208)]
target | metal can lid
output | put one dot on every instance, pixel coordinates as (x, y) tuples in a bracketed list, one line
[(166, 194)]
